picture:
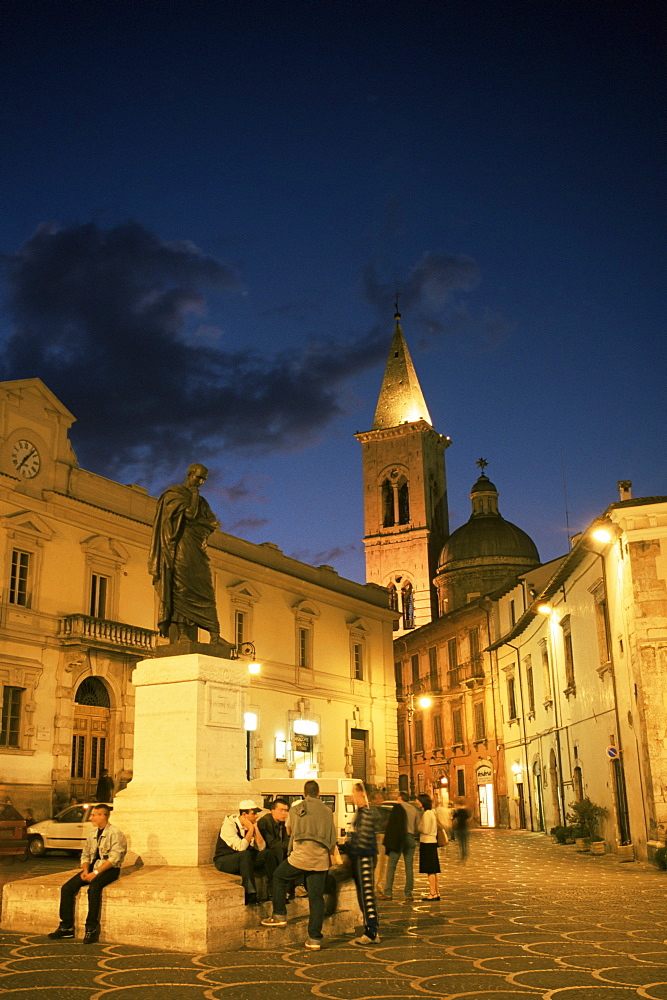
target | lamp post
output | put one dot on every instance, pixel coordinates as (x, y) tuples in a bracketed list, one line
[(246, 649), (424, 702)]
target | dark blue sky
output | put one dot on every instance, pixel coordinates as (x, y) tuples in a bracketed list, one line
[(207, 207)]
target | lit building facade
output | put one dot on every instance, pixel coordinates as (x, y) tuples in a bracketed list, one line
[(582, 679), (78, 612)]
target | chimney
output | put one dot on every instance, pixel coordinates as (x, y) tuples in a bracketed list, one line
[(625, 489)]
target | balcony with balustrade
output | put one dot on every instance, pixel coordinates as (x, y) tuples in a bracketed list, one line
[(100, 632)]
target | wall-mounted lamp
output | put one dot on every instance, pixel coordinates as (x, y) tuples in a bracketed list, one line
[(247, 649), (544, 609)]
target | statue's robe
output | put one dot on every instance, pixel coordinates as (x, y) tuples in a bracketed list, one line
[(179, 564)]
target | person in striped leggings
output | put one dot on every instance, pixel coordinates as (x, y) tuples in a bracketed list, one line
[(362, 851)]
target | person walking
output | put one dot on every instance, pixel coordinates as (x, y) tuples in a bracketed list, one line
[(460, 821), (362, 851), (429, 864), (381, 817), (105, 787), (402, 842)]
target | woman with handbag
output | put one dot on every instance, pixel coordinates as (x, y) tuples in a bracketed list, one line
[(428, 848)]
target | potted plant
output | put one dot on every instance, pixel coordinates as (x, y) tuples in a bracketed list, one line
[(660, 858), (587, 816)]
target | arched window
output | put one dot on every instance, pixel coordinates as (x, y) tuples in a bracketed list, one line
[(387, 505), (403, 503), (393, 596), (92, 691), (408, 599)]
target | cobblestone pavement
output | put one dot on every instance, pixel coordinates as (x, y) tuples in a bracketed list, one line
[(522, 918)]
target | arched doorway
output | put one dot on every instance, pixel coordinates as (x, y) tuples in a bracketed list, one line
[(90, 737)]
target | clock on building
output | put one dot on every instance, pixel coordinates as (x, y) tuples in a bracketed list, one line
[(25, 458)]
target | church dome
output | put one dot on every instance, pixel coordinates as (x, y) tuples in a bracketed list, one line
[(487, 536), (483, 553)]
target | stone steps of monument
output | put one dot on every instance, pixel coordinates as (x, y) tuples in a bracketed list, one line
[(296, 932)]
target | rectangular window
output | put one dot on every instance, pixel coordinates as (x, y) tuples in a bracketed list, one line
[(419, 734), (460, 782), (457, 726), (434, 679), (437, 731), (99, 587), (546, 678), (398, 677), (239, 627), (11, 716), (415, 672), (18, 582), (530, 684), (78, 750), (568, 653), (479, 721), (511, 698), (452, 654), (358, 661), (305, 648), (401, 739), (512, 613), (476, 668)]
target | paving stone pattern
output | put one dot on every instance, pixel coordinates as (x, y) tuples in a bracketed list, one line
[(522, 918)]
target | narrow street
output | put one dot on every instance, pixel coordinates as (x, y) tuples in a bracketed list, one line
[(522, 918)]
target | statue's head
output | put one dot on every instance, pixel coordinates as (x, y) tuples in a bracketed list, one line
[(197, 474)]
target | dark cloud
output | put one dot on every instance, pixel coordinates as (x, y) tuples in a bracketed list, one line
[(247, 524), (115, 323), (111, 321), (326, 557), (434, 302)]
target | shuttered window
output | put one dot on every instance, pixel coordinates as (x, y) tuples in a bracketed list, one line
[(359, 743)]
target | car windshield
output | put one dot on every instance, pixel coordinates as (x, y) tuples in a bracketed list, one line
[(72, 815)]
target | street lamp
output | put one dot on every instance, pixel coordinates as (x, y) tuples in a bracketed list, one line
[(424, 702)]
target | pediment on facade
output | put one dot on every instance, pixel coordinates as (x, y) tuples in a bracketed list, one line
[(306, 609), (103, 547), (358, 626), (27, 523), (244, 591)]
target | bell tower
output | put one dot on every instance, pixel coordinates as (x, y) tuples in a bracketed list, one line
[(406, 521)]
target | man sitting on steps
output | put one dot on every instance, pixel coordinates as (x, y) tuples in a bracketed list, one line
[(311, 825)]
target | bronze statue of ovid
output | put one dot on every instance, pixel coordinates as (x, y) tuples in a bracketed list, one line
[(179, 564)]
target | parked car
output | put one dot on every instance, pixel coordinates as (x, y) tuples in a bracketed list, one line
[(67, 831)]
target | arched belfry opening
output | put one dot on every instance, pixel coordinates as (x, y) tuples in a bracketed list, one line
[(91, 751), (395, 501)]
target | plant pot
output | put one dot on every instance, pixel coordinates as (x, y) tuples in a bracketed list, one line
[(626, 852), (582, 844), (598, 847)]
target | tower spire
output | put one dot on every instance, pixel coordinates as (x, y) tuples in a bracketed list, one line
[(401, 400)]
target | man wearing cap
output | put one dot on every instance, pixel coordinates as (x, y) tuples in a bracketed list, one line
[(241, 849)]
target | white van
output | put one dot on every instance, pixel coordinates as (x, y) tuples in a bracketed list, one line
[(335, 792)]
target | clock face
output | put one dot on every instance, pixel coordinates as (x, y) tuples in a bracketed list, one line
[(25, 459)]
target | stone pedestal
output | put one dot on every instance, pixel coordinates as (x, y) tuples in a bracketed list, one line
[(189, 772), (189, 758)]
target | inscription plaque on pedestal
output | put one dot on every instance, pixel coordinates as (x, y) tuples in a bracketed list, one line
[(223, 707)]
